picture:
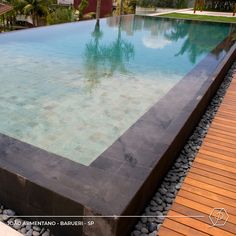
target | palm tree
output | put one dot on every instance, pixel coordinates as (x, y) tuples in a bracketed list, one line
[(35, 9), (98, 10), (121, 7)]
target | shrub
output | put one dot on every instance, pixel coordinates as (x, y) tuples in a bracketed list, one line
[(82, 6), (60, 15), (163, 3)]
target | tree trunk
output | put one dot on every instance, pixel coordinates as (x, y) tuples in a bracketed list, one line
[(98, 10), (121, 7)]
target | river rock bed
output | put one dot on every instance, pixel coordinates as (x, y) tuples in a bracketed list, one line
[(161, 202), (8, 217)]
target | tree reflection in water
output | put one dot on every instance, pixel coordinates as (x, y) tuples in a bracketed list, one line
[(102, 61), (198, 40)]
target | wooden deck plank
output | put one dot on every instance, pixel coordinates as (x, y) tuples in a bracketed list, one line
[(213, 155), (225, 132), (210, 188), (221, 159), (215, 148), (211, 181), (222, 144), (199, 225), (216, 165), (212, 176), (227, 116), (209, 195), (190, 212), (217, 183), (220, 137), (165, 231), (182, 229), (229, 130), (215, 170), (201, 207), (207, 201), (227, 120)]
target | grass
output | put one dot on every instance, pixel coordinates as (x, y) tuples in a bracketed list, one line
[(201, 17)]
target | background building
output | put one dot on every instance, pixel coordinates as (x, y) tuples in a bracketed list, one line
[(106, 7)]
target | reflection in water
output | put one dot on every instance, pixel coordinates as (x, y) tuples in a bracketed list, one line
[(103, 60), (93, 57), (197, 40)]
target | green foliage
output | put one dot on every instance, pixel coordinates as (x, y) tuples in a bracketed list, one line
[(82, 6), (33, 8), (163, 3), (201, 17), (146, 3), (60, 15), (128, 7), (181, 3)]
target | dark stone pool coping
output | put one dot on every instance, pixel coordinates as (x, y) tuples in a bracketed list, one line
[(121, 180)]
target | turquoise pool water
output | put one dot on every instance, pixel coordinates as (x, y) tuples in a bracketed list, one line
[(73, 89)]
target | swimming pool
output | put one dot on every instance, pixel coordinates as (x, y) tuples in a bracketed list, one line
[(74, 89), (137, 85)]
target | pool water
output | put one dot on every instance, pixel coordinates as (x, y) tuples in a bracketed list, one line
[(74, 89)]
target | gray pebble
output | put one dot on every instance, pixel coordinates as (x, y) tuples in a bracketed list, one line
[(154, 233), (151, 227), (144, 220), (178, 186), (170, 195), (160, 208), (159, 201), (23, 230), (163, 191), (151, 219), (139, 226), (159, 220), (168, 200), (134, 233), (16, 226), (28, 227), (5, 217), (9, 212), (47, 233), (155, 208), (144, 230), (36, 233), (29, 233), (36, 228), (153, 203)]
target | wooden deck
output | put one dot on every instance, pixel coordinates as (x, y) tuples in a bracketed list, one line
[(211, 181)]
